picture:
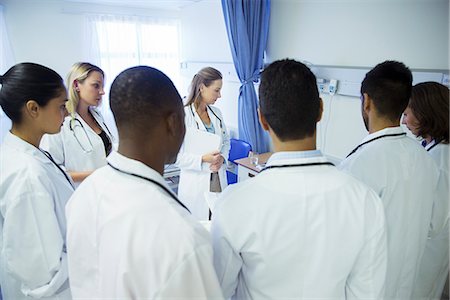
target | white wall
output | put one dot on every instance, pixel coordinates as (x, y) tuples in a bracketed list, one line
[(357, 33), (361, 32)]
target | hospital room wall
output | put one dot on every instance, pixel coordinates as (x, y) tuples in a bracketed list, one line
[(349, 33)]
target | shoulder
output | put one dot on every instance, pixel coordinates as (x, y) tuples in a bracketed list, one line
[(24, 173)]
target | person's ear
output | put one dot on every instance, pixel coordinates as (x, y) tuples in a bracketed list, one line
[(263, 121), (75, 85), (32, 108), (172, 124), (319, 117), (367, 103)]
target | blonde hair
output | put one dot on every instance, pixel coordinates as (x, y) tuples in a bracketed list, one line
[(79, 72), (205, 76)]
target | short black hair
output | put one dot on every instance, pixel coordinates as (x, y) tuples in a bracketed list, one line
[(28, 81), (289, 99), (140, 95), (389, 85)]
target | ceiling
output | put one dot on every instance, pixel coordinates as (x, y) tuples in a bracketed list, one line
[(153, 4)]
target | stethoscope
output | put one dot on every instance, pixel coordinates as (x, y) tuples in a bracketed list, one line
[(208, 108), (168, 192), (374, 139), (298, 165), (49, 156), (72, 126)]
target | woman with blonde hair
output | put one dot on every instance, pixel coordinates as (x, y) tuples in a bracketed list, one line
[(200, 174), (84, 141)]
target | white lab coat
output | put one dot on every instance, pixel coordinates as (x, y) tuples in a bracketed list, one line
[(33, 194), (406, 178), (128, 239), (67, 151), (195, 175), (435, 261), (300, 233)]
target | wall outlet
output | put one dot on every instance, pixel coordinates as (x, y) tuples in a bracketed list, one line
[(332, 87), (321, 85)]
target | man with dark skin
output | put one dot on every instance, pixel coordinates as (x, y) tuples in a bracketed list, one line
[(129, 237)]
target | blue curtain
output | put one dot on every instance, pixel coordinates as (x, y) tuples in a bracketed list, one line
[(247, 23)]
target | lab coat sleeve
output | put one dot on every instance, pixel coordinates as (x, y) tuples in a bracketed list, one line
[(227, 261), (194, 278), (33, 244), (53, 144), (367, 278)]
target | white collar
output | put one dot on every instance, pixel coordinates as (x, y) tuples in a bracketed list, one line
[(15, 142), (385, 131), (133, 166), (296, 157)]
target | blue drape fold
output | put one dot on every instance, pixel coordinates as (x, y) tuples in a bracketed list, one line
[(247, 23)]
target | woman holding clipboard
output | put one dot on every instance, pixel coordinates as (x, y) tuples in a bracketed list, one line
[(203, 172)]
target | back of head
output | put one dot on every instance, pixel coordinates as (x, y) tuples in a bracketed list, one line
[(430, 105), (289, 99), (205, 76), (389, 86), (141, 96), (78, 73), (28, 81)]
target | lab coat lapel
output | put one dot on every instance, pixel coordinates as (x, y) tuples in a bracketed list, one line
[(23, 146), (197, 119)]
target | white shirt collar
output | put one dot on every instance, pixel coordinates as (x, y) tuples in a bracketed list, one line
[(133, 166), (15, 142), (385, 131), (295, 157)]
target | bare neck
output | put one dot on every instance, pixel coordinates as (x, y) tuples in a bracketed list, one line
[(83, 110), (28, 133), (305, 144), (200, 106), (377, 124), (145, 152)]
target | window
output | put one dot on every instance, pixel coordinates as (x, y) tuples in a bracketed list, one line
[(120, 42), (115, 43)]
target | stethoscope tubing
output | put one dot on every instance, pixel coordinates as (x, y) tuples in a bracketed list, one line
[(374, 139), (209, 108), (152, 181)]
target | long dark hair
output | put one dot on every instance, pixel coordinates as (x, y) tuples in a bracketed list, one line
[(206, 76)]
